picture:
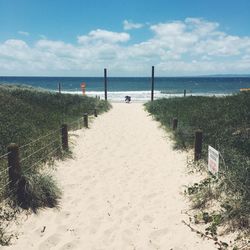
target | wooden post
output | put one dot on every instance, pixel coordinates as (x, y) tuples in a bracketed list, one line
[(95, 112), (85, 120), (175, 123), (198, 145), (185, 93), (59, 87), (153, 83), (14, 165), (65, 140), (105, 84)]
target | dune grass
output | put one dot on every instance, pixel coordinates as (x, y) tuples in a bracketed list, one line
[(225, 122), (27, 114)]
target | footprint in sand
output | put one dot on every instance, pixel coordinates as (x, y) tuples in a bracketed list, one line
[(95, 225), (62, 216), (128, 236), (122, 210), (92, 208), (131, 216), (86, 178), (148, 219), (69, 245), (159, 233), (156, 237), (110, 234), (50, 242)]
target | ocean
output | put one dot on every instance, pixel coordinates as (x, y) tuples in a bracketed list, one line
[(139, 88)]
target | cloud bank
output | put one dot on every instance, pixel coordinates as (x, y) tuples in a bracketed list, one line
[(189, 47)]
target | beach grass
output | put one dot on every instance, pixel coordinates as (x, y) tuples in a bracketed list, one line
[(32, 118), (225, 122), (27, 114)]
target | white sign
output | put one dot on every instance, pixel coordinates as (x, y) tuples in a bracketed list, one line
[(213, 160)]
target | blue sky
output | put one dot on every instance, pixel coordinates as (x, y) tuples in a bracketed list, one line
[(80, 37)]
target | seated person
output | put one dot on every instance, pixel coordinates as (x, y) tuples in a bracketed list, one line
[(127, 99)]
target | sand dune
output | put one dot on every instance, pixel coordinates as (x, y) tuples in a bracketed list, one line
[(122, 190)]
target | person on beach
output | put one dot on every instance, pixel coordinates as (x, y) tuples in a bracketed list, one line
[(127, 99)]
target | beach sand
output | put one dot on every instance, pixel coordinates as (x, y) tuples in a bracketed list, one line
[(122, 190)]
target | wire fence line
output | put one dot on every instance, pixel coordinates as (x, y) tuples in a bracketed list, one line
[(4, 186), (5, 155), (76, 121), (38, 139), (41, 155), (37, 151), (5, 170), (42, 159)]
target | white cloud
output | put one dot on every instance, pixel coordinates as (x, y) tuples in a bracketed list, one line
[(106, 36), (129, 25), (24, 33), (190, 47)]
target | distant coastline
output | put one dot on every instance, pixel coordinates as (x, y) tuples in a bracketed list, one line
[(138, 87)]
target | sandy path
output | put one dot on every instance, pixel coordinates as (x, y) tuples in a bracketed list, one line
[(122, 191)]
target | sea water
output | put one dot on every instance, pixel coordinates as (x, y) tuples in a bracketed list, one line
[(139, 88)]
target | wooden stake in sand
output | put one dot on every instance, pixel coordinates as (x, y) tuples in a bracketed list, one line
[(65, 142), (105, 84), (85, 120), (175, 123), (198, 145), (153, 83), (59, 88)]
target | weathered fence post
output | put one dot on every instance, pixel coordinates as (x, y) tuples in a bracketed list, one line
[(85, 120), (95, 112), (14, 164), (175, 123), (153, 83), (65, 140), (185, 93), (198, 145), (105, 84), (59, 87)]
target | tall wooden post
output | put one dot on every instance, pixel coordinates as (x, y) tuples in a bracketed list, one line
[(175, 123), (105, 84), (59, 88), (153, 83), (95, 112), (85, 120), (198, 145), (65, 140), (14, 165)]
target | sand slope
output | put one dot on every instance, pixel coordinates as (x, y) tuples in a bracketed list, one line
[(122, 191)]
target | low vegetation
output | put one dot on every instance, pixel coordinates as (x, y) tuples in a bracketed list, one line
[(27, 114), (225, 122)]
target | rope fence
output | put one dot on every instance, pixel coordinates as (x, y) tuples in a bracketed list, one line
[(20, 160), (38, 139), (42, 159), (3, 156)]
